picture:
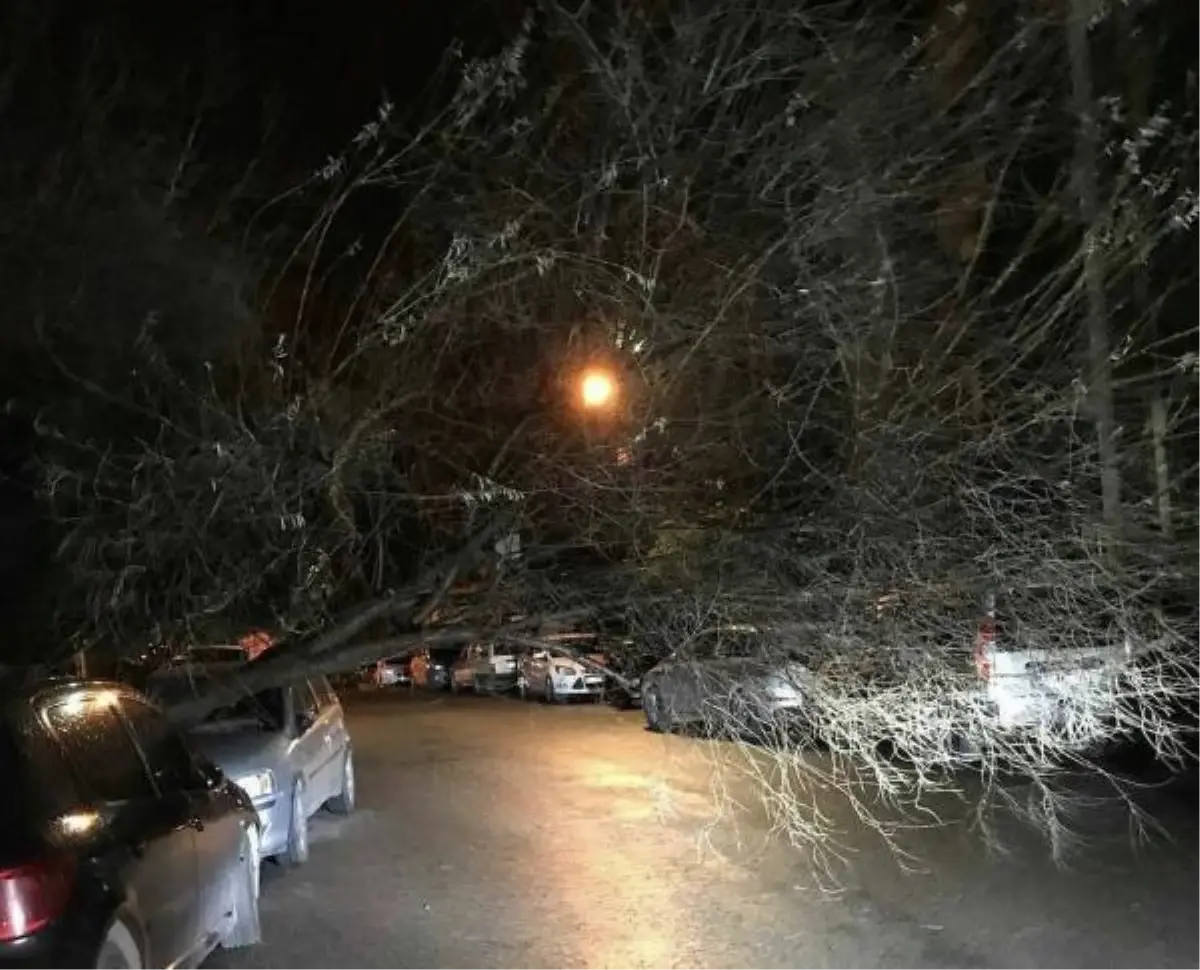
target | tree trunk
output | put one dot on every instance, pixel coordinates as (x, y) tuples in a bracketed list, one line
[(1162, 470), (1099, 378)]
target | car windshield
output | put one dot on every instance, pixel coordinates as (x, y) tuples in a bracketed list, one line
[(265, 709)]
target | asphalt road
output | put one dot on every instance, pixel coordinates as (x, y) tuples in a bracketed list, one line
[(492, 833)]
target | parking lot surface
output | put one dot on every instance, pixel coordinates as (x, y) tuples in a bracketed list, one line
[(492, 833)]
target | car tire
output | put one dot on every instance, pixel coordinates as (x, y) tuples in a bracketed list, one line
[(656, 715), (246, 930), (550, 693), (120, 950), (297, 850), (343, 802), (453, 685)]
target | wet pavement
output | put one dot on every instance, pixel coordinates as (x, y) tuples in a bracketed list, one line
[(492, 833)]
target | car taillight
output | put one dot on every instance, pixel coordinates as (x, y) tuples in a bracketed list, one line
[(34, 895), (985, 637)]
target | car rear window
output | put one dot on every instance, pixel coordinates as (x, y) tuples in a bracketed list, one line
[(100, 749)]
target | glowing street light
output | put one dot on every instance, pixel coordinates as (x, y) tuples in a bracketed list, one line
[(597, 390)]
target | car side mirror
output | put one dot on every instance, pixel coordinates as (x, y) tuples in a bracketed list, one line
[(212, 776)]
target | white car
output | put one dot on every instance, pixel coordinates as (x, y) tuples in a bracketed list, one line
[(1032, 683), (556, 676), (392, 672)]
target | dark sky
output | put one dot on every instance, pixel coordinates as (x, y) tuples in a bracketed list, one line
[(311, 70), (315, 69)]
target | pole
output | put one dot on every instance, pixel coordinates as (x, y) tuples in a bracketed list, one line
[(1099, 378)]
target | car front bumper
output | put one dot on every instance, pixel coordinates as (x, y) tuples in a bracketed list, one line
[(573, 685)]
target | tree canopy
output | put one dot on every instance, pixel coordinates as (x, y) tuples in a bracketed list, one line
[(896, 306)]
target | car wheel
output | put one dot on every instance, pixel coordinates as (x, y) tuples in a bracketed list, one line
[(453, 685), (550, 693), (343, 803), (296, 853), (656, 715), (120, 949), (245, 930)]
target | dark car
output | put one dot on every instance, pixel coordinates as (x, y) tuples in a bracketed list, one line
[(119, 845), (430, 667)]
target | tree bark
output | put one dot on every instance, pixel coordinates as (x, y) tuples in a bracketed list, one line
[(1162, 469)]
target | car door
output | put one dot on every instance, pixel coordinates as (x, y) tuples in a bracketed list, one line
[(310, 748), (177, 772), (157, 833), (332, 725)]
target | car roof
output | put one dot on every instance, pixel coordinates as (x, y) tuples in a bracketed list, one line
[(42, 690)]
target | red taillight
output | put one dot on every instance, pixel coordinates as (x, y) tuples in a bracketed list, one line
[(33, 896), (985, 637)]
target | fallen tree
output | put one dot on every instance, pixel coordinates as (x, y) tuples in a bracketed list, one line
[(839, 280)]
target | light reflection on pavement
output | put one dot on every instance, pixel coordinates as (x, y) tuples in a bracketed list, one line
[(498, 834)]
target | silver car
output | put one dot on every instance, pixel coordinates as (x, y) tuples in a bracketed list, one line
[(286, 747), (726, 680)]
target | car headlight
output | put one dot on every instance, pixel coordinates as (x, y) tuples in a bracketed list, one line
[(259, 785), (563, 670)]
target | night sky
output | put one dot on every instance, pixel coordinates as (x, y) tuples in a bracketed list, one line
[(302, 74), (280, 84)]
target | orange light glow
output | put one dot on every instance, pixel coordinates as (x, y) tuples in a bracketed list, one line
[(597, 389)]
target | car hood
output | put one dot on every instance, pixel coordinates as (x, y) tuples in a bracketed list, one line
[(573, 667), (239, 750), (737, 668)]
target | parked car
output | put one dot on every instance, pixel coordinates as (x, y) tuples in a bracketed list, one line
[(430, 667), (724, 677), (120, 845), (486, 668), (286, 747), (392, 672), (1034, 682), (557, 676)]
